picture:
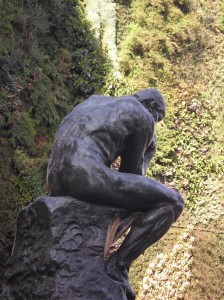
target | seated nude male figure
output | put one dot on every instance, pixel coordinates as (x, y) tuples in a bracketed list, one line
[(90, 139)]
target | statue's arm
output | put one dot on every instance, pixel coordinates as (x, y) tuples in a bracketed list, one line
[(149, 153), (133, 159), (140, 146)]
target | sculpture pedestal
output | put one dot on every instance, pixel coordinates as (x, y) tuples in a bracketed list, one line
[(58, 253)]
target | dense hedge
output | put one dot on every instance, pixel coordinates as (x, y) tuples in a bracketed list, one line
[(178, 46), (49, 61), (165, 44)]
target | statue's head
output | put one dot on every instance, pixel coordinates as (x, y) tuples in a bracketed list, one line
[(154, 102)]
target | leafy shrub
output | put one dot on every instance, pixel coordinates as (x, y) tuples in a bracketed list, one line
[(162, 41), (30, 178), (23, 132), (159, 33)]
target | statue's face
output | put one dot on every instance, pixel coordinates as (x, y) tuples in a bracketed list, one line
[(158, 110), (154, 102)]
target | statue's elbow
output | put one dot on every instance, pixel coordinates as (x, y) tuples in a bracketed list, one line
[(179, 207)]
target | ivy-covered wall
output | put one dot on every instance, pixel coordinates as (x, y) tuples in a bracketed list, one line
[(49, 61), (177, 46), (173, 45)]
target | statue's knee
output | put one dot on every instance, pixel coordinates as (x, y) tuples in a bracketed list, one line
[(166, 210), (179, 206), (151, 216), (180, 203)]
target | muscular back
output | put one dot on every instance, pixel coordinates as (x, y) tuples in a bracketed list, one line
[(103, 128)]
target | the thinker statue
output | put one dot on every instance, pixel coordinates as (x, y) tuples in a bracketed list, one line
[(90, 139), (64, 245)]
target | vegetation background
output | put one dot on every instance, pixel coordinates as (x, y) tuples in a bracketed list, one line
[(50, 60)]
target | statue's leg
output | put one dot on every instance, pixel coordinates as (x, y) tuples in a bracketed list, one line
[(147, 229), (94, 182)]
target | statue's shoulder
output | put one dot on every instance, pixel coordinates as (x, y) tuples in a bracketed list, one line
[(99, 98), (130, 101), (133, 104), (135, 112)]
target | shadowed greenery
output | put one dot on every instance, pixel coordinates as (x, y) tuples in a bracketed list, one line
[(49, 61)]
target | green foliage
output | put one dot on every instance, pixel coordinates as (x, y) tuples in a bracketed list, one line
[(161, 31), (8, 203), (177, 46), (23, 131), (194, 140), (49, 61), (5, 108), (184, 158), (45, 112), (59, 63), (8, 10), (208, 267), (220, 19), (161, 47), (30, 179)]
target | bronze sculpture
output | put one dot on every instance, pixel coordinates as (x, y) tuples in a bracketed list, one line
[(88, 141), (61, 244)]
